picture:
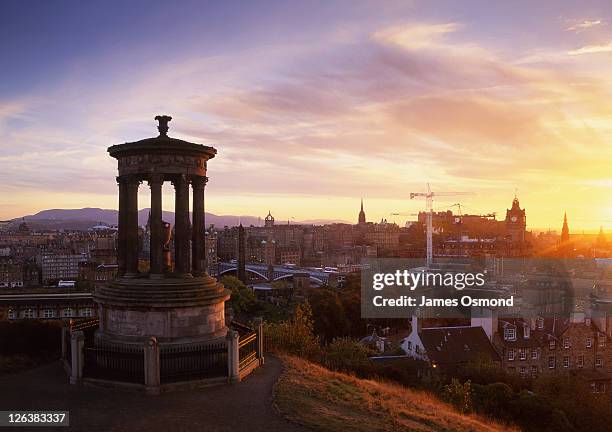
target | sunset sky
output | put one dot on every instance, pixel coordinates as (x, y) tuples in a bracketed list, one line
[(313, 105)]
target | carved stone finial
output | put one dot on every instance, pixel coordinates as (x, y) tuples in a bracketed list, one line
[(163, 124)]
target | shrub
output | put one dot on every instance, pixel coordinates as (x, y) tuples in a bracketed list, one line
[(294, 336), (460, 395), (348, 355)]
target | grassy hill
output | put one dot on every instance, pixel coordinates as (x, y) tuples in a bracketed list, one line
[(332, 402)]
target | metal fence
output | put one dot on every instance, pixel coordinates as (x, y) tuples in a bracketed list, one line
[(114, 362), (247, 349), (184, 363)]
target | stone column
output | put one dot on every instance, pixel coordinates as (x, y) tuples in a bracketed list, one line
[(233, 359), (156, 259), (131, 232), (197, 240), (122, 222), (182, 266), (151, 366), (76, 367)]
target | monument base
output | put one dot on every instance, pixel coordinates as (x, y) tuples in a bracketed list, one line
[(174, 310)]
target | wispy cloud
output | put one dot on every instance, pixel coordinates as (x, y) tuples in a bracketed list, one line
[(378, 111), (578, 26), (592, 49)]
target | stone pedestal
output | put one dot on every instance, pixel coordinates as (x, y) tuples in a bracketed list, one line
[(173, 310)]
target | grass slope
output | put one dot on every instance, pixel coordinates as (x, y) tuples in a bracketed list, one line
[(330, 401)]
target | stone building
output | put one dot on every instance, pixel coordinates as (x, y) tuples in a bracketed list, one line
[(555, 345), (11, 273), (57, 266)]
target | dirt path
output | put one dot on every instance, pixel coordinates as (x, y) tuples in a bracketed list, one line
[(246, 406)]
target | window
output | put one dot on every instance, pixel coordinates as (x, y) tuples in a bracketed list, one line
[(534, 353), (540, 323), (551, 362), (580, 361), (566, 342), (86, 312), (526, 332), (67, 313), (552, 345), (48, 313), (566, 361), (510, 333), (523, 371), (599, 361), (534, 370), (602, 340), (511, 354), (29, 313), (589, 342), (523, 354), (12, 314)]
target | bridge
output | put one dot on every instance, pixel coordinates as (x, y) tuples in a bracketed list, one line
[(279, 272)]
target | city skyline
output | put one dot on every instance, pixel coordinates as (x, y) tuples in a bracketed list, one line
[(312, 108)]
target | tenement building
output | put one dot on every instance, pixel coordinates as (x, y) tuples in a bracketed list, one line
[(553, 345)]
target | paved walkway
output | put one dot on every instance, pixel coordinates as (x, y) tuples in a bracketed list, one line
[(246, 406)]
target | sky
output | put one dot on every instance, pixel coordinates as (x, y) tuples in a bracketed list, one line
[(313, 105)]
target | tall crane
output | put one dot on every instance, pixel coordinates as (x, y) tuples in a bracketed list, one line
[(429, 196)]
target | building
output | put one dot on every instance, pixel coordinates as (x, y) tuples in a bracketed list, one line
[(447, 348), (11, 273), (47, 306), (564, 230), (516, 222), (269, 220), (56, 266), (210, 244), (556, 345), (361, 220)]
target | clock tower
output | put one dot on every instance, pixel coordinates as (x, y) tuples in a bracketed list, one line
[(516, 222)]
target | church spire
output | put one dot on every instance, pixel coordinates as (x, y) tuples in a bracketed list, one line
[(362, 218), (565, 229)]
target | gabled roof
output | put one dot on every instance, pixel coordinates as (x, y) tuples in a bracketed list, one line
[(446, 345)]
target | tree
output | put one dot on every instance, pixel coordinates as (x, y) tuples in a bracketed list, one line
[(347, 355), (329, 315), (242, 300)]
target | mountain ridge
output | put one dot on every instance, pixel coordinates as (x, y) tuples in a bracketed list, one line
[(87, 217)]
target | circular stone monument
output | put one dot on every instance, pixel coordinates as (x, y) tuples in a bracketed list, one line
[(176, 302)]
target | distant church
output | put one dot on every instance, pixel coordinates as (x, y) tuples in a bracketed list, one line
[(565, 229), (362, 218)]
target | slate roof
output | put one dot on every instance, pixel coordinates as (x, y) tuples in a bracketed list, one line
[(448, 345)]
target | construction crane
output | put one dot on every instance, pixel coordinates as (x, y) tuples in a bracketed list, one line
[(429, 196)]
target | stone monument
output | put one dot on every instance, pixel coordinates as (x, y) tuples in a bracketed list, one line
[(180, 303)]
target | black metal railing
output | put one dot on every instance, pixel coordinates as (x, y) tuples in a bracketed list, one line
[(247, 349), (67, 346), (114, 362), (184, 363), (88, 326)]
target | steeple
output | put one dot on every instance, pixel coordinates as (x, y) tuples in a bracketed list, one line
[(565, 229), (601, 237), (362, 217)]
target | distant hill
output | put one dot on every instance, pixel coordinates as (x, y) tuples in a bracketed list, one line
[(84, 218)]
